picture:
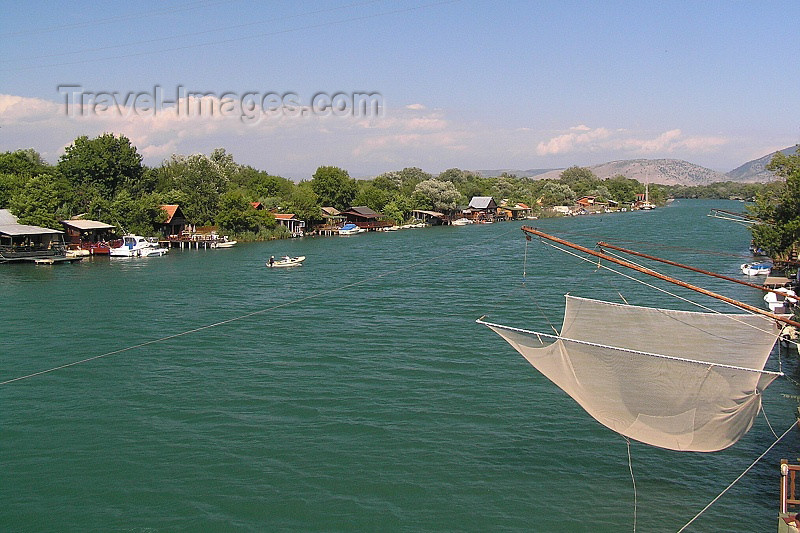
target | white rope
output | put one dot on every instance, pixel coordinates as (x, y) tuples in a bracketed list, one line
[(650, 285), (253, 313), (633, 480), (712, 502), (627, 350)]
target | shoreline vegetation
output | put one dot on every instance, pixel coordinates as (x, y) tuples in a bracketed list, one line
[(104, 179)]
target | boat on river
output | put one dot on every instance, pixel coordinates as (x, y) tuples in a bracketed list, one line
[(756, 269), (462, 222), (286, 261), (351, 229)]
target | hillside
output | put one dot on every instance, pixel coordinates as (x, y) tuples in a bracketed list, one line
[(755, 170), (663, 171)]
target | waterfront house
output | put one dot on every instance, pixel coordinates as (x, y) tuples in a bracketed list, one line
[(175, 223), (258, 206), (295, 226), (433, 218), (80, 230), (20, 242), (481, 209), (365, 218)]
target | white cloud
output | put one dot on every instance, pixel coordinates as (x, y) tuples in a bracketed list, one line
[(584, 139)]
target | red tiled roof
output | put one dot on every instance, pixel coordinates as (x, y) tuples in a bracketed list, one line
[(284, 216), (171, 209)]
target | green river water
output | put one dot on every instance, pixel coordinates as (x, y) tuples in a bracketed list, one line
[(354, 393)]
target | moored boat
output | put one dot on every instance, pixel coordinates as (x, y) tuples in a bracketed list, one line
[(286, 261), (350, 229), (756, 269), (462, 222)]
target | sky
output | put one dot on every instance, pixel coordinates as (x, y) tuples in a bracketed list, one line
[(375, 86)]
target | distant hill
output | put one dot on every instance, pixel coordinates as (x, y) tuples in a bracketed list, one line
[(663, 171), (518, 173), (756, 170)]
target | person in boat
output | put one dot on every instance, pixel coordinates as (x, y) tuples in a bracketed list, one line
[(271, 260)]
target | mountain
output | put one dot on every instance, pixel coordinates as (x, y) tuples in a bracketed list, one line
[(530, 173), (756, 170), (663, 171)]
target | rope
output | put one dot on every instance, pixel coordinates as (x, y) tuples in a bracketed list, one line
[(633, 480), (650, 285), (712, 502), (627, 350), (254, 313)]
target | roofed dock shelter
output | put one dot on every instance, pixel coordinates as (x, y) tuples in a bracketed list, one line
[(21, 242)]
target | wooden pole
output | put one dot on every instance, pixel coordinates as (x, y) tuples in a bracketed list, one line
[(660, 276), (603, 244)]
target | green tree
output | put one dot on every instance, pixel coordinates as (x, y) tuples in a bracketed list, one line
[(371, 196), (778, 208), (106, 163), (41, 202), (334, 187), (575, 174), (555, 193), (23, 163), (437, 195), (399, 209), (303, 202), (201, 179)]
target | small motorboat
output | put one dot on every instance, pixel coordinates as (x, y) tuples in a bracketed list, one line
[(756, 269), (350, 229), (286, 261), (462, 222), (153, 251), (224, 243)]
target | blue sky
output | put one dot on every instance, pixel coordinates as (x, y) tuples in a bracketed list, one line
[(471, 84)]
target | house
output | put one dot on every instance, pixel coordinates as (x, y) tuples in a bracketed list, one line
[(176, 222), (586, 201), (516, 211), (481, 209), (258, 206), (434, 218), (365, 218), (89, 235), (20, 242), (80, 230), (295, 226)]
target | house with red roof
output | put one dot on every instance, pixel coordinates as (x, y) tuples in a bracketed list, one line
[(295, 226)]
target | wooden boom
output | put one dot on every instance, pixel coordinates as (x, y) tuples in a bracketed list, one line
[(650, 272), (603, 244)]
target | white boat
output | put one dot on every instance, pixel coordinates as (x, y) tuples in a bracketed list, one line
[(350, 229), (756, 269), (225, 243), (132, 245), (153, 251), (781, 303), (462, 222), (286, 261)]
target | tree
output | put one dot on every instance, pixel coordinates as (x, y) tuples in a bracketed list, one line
[(107, 163), (371, 196), (40, 202), (575, 174), (437, 195), (201, 179), (399, 209), (23, 163), (555, 193), (303, 203), (334, 187), (778, 208), (236, 214)]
